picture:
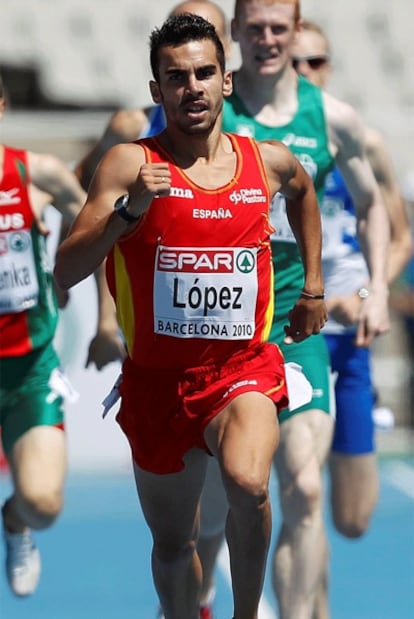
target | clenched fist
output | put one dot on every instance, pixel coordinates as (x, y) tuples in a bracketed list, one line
[(153, 180)]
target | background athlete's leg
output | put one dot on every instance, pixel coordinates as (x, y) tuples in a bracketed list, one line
[(301, 556), (353, 465), (301, 553), (170, 504), (34, 442), (213, 515), (38, 465), (244, 436)]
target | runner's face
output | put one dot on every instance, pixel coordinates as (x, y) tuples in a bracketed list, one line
[(311, 57), (265, 33), (191, 86)]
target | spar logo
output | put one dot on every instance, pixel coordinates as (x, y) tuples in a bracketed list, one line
[(196, 260), (245, 261), (206, 260)]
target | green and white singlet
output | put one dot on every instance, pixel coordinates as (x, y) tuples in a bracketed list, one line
[(306, 135)]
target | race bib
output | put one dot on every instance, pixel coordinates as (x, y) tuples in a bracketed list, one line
[(19, 287), (206, 293), (339, 229), (279, 220), (278, 217)]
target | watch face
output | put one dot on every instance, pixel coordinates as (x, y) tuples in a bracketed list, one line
[(363, 293), (121, 202), (120, 207)]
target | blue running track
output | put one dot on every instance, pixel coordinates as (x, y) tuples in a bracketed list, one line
[(96, 559)]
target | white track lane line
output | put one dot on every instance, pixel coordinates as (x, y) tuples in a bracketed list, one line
[(401, 476)]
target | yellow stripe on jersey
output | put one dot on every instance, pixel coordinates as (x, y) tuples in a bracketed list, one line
[(270, 309), (124, 303)]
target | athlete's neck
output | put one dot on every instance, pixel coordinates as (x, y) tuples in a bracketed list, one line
[(209, 168), (272, 99), (187, 149)]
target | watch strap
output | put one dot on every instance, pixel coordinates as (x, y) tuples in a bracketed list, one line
[(120, 207)]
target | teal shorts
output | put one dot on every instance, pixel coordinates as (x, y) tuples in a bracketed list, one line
[(26, 397), (313, 355)]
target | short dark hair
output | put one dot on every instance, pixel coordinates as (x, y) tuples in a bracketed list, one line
[(180, 29)]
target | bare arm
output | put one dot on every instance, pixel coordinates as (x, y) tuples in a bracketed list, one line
[(53, 177), (53, 182), (382, 167), (124, 126), (373, 225), (97, 227), (346, 308), (107, 345)]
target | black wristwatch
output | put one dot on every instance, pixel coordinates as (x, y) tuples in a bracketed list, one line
[(120, 207)]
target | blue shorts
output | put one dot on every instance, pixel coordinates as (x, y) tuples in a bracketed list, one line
[(354, 426)]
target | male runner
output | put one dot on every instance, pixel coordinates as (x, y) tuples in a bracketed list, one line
[(32, 387), (184, 219)]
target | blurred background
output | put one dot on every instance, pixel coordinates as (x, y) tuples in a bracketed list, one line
[(68, 64)]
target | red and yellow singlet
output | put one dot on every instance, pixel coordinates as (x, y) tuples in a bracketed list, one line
[(197, 267)]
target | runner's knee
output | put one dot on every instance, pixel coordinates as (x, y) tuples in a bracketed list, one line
[(170, 551), (351, 526), (302, 499), (41, 507), (246, 491)]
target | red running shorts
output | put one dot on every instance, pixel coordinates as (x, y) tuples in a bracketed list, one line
[(164, 413)]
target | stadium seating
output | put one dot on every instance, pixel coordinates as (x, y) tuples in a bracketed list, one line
[(95, 53)]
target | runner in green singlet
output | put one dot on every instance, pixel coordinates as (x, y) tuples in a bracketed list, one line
[(306, 136)]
